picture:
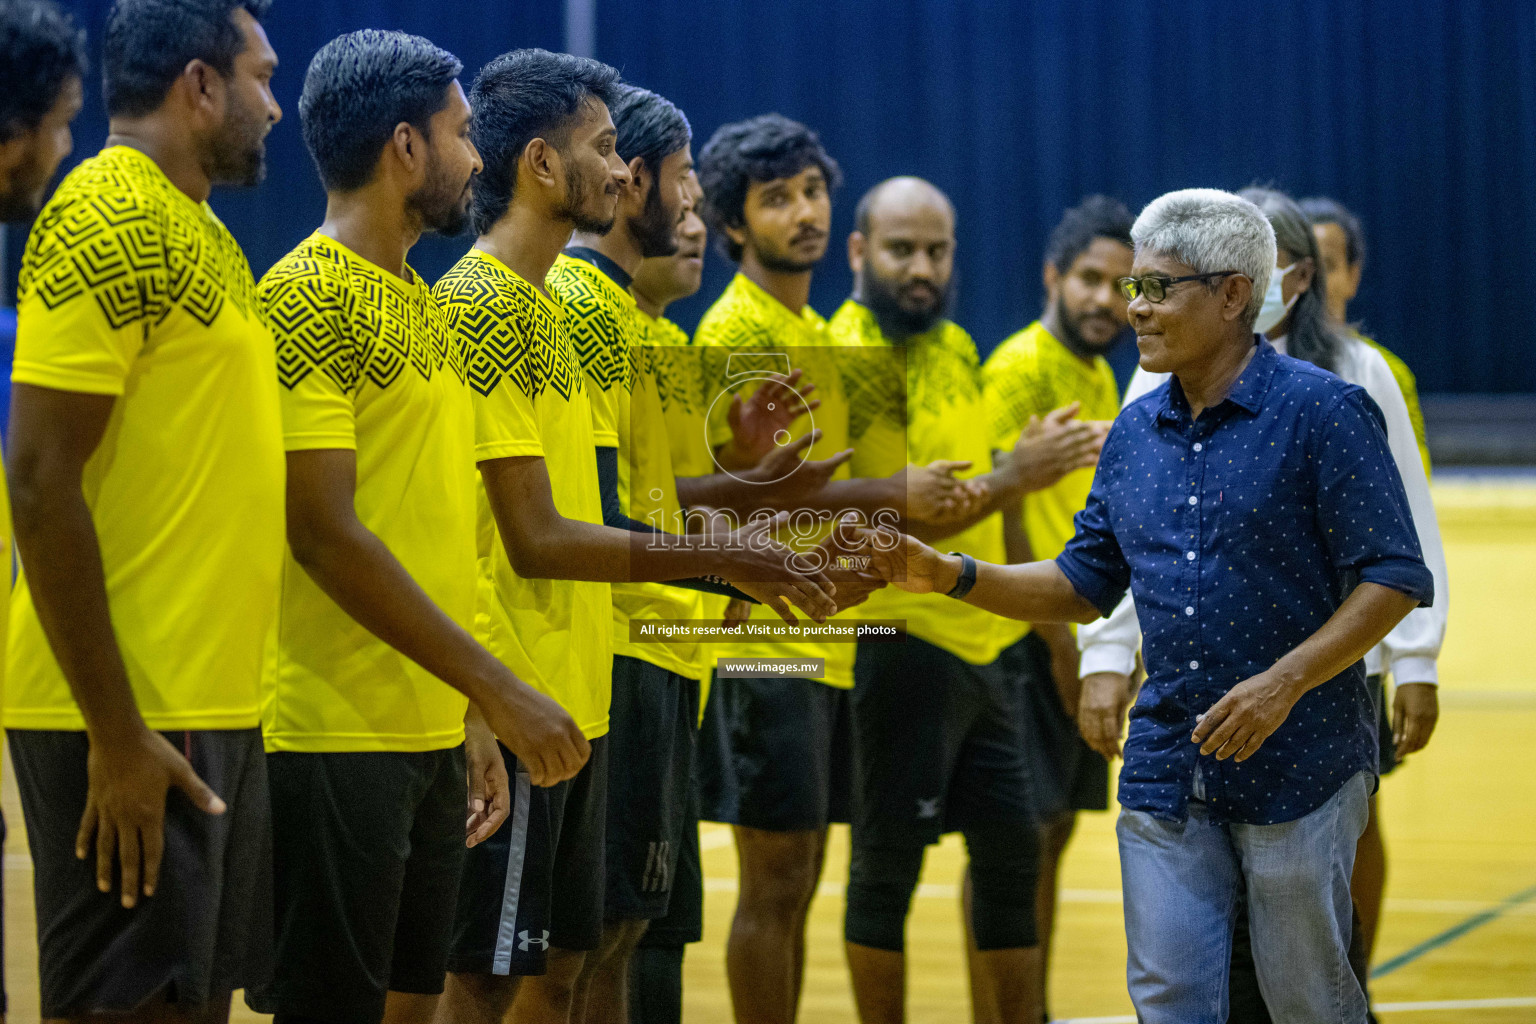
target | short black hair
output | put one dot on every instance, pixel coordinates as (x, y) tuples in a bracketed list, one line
[(762, 148), (521, 96), (149, 42), (650, 126), (1322, 210), (358, 88), (40, 49), (1095, 217)]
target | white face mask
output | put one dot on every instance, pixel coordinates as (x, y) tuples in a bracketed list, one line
[(1275, 307)]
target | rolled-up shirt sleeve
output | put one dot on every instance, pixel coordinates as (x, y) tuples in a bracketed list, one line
[(1362, 508), (1093, 562)]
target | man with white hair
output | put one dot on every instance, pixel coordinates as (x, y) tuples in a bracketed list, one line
[(1252, 747)]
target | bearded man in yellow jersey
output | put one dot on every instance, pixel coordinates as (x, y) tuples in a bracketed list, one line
[(1056, 360), (146, 470), (378, 700), (655, 699), (938, 745), (656, 967), (35, 115)]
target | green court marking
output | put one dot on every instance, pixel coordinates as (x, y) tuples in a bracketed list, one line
[(1453, 933)]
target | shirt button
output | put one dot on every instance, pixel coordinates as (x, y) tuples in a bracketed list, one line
[(1194, 500), (1199, 447), (1189, 555), (1194, 664), (1189, 610)]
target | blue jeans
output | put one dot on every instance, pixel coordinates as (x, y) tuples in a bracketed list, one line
[(1182, 881)]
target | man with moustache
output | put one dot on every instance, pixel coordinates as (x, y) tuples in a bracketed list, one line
[(378, 700), (1252, 750), (656, 967), (146, 470), (938, 743), (1056, 360)]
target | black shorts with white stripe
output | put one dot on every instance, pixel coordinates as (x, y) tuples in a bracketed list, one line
[(538, 882)]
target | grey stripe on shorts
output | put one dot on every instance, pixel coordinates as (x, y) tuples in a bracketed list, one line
[(506, 931)]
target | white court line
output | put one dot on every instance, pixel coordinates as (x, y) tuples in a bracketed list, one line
[(1514, 1003)]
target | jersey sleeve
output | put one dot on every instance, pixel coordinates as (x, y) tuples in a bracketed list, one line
[(92, 286), (317, 359)]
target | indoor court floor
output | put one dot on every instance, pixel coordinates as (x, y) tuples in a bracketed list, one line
[(1458, 934)]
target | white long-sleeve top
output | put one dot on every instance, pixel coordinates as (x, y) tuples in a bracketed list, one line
[(1413, 647)]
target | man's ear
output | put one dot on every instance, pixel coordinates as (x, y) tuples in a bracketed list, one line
[(641, 181), (409, 148), (542, 161), (736, 234), (1236, 290), (203, 90), (1051, 278), (856, 246)]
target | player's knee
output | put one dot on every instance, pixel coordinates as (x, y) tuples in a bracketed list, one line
[(1004, 867), (783, 882), (880, 885)]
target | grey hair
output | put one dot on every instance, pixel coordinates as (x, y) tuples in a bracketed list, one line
[(1209, 231)]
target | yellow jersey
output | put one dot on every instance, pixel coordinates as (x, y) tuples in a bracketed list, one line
[(367, 362), (680, 383), (610, 332), (747, 321), (530, 400), (1030, 374), (942, 404), (131, 289)]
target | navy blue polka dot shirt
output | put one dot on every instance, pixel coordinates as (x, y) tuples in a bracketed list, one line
[(1239, 534)]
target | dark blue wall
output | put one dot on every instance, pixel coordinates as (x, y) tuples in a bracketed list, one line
[(1420, 114)]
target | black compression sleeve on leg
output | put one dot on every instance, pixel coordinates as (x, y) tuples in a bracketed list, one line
[(881, 880), (1005, 865), (656, 985)]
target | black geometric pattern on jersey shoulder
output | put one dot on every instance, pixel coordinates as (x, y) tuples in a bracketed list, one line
[(1023, 381), (118, 233), (509, 333), (602, 328), (342, 317), (942, 370), (678, 367)]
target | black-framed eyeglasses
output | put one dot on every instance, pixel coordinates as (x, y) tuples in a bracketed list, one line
[(1155, 287)]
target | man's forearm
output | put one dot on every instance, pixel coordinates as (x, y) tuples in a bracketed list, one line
[(1031, 591), (363, 577), (1367, 615), (56, 538)]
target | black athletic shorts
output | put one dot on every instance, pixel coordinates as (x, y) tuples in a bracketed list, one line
[(651, 737), (713, 767), (791, 750), (684, 922), (1387, 750), (1066, 773), (208, 928), (367, 848), (538, 882), (937, 746)]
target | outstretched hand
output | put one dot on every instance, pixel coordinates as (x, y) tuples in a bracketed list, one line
[(1052, 446)]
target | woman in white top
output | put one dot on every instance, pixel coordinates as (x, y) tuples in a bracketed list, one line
[(1296, 321)]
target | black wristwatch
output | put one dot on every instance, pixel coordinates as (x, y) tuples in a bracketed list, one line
[(967, 578)]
